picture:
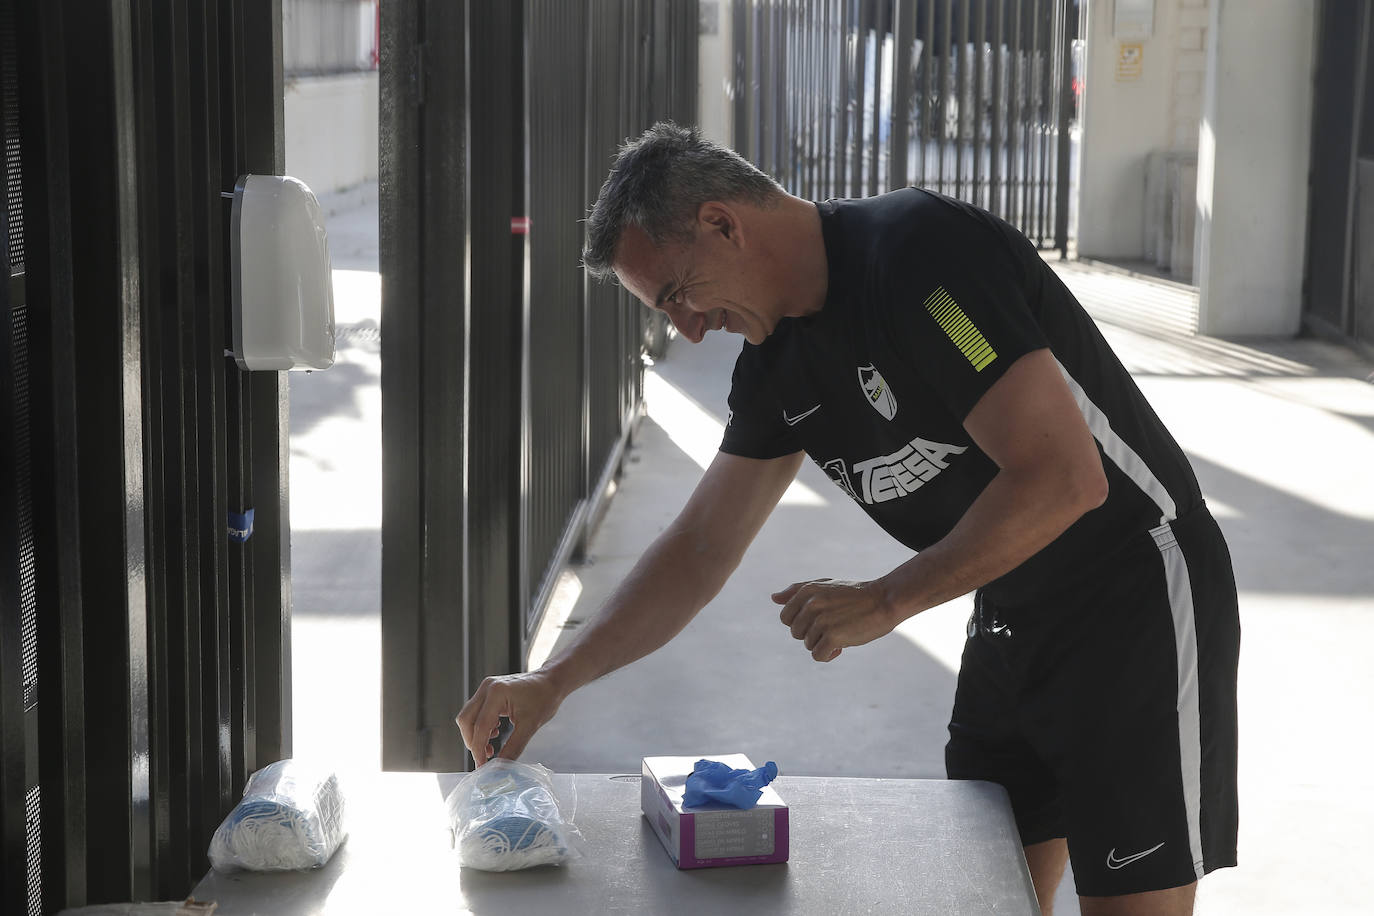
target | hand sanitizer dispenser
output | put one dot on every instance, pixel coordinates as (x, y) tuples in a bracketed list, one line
[(283, 287)]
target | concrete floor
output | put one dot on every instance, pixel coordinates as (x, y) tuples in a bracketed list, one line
[(1281, 434)]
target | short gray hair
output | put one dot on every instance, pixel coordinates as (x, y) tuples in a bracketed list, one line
[(658, 183)]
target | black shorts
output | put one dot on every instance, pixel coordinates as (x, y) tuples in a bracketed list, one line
[(1109, 714)]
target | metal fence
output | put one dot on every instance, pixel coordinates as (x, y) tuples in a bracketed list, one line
[(971, 98), (510, 383), (153, 652)]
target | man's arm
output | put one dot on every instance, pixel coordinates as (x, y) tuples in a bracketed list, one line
[(1049, 475), (682, 570)]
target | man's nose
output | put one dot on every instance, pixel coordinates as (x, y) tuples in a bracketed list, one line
[(688, 323)]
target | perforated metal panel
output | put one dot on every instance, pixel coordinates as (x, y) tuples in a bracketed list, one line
[(33, 849), (9, 101), (28, 594), (23, 880)]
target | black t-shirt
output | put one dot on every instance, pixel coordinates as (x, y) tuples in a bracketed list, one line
[(930, 300)]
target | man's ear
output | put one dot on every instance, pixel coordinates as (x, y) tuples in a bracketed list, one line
[(720, 218)]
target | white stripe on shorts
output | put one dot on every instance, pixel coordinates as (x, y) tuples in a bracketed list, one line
[(1189, 720)]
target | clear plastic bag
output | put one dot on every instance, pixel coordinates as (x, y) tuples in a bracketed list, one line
[(505, 817), (291, 818)]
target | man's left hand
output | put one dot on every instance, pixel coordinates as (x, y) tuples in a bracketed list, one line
[(830, 615)]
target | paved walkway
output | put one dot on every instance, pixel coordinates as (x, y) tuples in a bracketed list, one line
[(1280, 433)]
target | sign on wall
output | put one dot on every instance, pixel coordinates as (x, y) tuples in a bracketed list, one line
[(1130, 57)]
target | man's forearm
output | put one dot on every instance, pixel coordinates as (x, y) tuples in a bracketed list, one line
[(674, 579)]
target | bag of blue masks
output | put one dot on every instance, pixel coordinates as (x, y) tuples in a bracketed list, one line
[(291, 818), (505, 817)]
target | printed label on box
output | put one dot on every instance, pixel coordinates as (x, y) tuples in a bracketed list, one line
[(738, 834)]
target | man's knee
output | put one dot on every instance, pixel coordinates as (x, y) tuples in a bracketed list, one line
[(1046, 862)]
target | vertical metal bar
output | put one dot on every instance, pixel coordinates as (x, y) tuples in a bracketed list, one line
[(947, 59), (860, 104), (752, 145), (107, 295), (400, 205), (39, 58), (1068, 31), (876, 148), (1013, 211), (739, 73), (788, 90), (962, 106), (524, 11), (904, 30), (590, 178), (823, 64), (795, 97), (262, 146), (996, 199), (17, 893), (1029, 122), (801, 94), (929, 96), (1046, 97), (843, 69), (777, 91), (980, 30), (763, 74), (805, 25), (497, 264)]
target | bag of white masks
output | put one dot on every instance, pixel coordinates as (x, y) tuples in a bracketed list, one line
[(290, 819), (505, 817)]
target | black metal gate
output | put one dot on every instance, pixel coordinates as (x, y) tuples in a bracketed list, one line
[(152, 652), (971, 98), (1339, 287), (510, 385)]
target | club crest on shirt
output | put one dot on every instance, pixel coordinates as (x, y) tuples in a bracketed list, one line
[(875, 389)]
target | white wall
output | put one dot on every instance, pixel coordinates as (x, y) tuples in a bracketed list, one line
[(714, 114), (331, 130), (1253, 166), (1125, 118)]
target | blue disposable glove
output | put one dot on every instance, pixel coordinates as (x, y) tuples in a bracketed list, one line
[(712, 780)]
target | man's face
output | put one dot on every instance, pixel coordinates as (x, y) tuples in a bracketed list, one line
[(701, 286)]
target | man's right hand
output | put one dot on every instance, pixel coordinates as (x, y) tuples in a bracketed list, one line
[(528, 700)]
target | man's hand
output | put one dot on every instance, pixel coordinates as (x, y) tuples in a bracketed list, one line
[(829, 616), (528, 700)]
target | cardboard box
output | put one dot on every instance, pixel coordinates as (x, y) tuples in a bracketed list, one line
[(713, 834)]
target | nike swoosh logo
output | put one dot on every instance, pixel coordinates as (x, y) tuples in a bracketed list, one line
[(793, 421), (1114, 863)]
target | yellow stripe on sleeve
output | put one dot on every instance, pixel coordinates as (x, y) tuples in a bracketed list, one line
[(962, 332)]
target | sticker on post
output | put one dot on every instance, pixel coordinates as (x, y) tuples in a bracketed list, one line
[(240, 526)]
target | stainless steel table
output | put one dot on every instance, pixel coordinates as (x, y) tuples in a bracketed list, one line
[(897, 846)]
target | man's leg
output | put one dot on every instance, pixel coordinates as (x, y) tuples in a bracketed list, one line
[(1176, 901), (1047, 861)]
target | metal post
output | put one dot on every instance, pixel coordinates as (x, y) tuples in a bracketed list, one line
[(980, 30), (960, 57), (1068, 31), (875, 149), (904, 31), (996, 200), (946, 49)]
